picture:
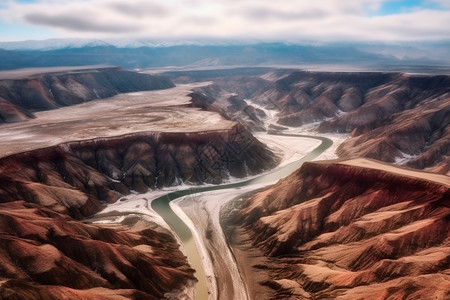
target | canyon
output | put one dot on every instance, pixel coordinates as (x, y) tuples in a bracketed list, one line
[(78, 142), (81, 158)]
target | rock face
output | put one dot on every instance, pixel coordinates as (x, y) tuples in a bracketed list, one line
[(391, 117), (19, 97), (418, 137), (345, 231)]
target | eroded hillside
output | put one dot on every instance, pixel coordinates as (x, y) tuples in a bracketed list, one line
[(393, 117), (355, 229)]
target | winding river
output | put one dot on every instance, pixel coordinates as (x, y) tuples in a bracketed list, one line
[(162, 205)]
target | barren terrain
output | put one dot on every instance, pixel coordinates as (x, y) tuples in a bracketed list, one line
[(156, 111), (68, 162), (349, 229)]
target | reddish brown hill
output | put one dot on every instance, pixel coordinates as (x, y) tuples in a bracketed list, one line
[(352, 230), (73, 177), (418, 137), (48, 255), (51, 90)]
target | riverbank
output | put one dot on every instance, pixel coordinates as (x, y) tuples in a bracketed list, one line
[(201, 212)]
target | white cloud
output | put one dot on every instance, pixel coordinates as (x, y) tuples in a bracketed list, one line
[(325, 20)]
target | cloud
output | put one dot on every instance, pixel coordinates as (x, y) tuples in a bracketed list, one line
[(140, 9), (322, 20), (74, 23)]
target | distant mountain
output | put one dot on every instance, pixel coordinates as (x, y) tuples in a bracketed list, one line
[(145, 54), (51, 44)]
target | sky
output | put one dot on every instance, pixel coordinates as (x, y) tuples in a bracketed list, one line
[(256, 20)]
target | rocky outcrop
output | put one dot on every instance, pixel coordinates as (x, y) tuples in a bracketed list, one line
[(347, 231), (230, 105), (396, 118), (306, 97), (20, 96), (48, 255)]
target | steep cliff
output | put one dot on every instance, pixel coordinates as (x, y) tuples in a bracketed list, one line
[(352, 230), (418, 137), (396, 118), (50, 90)]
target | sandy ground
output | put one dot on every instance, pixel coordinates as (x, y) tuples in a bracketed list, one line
[(369, 163), (161, 111)]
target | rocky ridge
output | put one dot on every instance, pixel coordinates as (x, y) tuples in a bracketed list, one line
[(230, 105), (393, 117), (350, 231), (49, 255), (21, 95)]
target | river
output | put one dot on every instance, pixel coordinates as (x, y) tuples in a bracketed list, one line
[(162, 206)]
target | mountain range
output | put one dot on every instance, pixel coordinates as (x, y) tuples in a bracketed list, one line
[(148, 54)]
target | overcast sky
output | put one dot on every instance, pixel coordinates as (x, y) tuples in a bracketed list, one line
[(271, 20)]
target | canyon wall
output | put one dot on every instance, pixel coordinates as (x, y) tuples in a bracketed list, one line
[(230, 105), (393, 117), (347, 231), (49, 90)]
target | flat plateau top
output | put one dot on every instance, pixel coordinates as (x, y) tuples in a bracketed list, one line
[(156, 111), (372, 164), (29, 72)]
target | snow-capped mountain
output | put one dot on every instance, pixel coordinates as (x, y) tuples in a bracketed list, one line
[(56, 44), (52, 44)]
